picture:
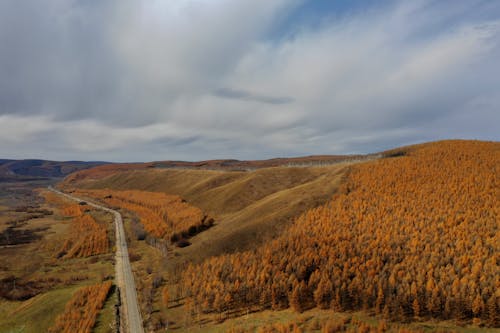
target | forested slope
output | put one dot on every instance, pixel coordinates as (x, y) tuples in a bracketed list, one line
[(414, 235)]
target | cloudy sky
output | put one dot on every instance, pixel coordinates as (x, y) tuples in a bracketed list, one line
[(135, 80)]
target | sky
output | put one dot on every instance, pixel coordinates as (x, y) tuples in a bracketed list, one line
[(134, 80)]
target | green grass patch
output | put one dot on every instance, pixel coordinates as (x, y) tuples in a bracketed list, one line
[(106, 319), (36, 314)]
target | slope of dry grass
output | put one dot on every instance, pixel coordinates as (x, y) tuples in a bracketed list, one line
[(247, 206)]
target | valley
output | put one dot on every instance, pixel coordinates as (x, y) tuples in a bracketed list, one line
[(300, 166), (401, 241)]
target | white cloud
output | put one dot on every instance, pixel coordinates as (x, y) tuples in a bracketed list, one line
[(192, 79)]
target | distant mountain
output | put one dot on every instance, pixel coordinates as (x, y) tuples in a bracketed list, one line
[(231, 164), (34, 169), (221, 165)]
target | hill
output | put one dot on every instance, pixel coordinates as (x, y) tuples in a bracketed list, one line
[(247, 207), (410, 234), (17, 170), (251, 201), (313, 160), (218, 165), (408, 237)]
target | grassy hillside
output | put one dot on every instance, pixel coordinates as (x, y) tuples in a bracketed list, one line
[(247, 206), (103, 171)]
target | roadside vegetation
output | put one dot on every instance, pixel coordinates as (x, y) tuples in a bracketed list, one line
[(166, 218)]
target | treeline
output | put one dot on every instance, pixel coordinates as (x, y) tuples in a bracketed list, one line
[(86, 236), (80, 313), (408, 237), (163, 216), (73, 210)]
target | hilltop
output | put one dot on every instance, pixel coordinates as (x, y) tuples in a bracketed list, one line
[(216, 165)]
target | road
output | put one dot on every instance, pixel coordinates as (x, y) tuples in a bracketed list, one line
[(131, 316)]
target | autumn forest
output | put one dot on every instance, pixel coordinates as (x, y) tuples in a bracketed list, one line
[(414, 235)]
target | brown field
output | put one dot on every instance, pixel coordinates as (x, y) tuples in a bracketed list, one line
[(318, 321)]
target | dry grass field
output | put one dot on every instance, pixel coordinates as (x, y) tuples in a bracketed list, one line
[(318, 321)]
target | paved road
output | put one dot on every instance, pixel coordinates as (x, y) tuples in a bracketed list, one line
[(124, 277)]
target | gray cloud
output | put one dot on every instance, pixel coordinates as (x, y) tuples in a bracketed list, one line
[(134, 80), (248, 96)]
